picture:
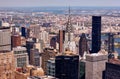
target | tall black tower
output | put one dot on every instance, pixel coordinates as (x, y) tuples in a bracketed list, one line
[(23, 31), (83, 46), (96, 34), (67, 67), (110, 43)]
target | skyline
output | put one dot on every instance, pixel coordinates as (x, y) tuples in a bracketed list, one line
[(43, 3)]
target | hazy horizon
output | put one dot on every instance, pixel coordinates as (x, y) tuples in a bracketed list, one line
[(55, 3)]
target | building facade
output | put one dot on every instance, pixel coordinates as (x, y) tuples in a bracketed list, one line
[(5, 40), (67, 67), (35, 57), (7, 66), (21, 57), (96, 34), (61, 40), (46, 55), (95, 65), (83, 45), (51, 67), (110, 43), (112, 71), (16, 40), (23, 31)]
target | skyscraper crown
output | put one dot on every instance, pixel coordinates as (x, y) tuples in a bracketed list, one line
[(69, 27)]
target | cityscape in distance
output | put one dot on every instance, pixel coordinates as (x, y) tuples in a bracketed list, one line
[(60, 39)]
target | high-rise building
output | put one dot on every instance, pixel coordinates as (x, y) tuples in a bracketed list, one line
[(46, 55), (28, 33), (69, 42), (95, 65), (23, 31), (0, 23), (96, 34), (83, 46), (7, 66), (67, 67), (82, 69), (15, 30), (110, 43), (51, 67), (61, 40), (35, 29), (16, 40), (29, 46), (112, 69), (53, 42), (35, 57), (21, 57), (43, 35), (5, 40)]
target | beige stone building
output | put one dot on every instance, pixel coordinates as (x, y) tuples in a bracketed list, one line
[(95, 65), (46, 55), (7, 66), (27, 71)]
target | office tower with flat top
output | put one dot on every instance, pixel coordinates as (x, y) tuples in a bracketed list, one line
[(5, 40), (96, 34), (61, 40), (67, 67)]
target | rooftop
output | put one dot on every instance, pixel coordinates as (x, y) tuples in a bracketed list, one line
[(114, 61), (19, 48)]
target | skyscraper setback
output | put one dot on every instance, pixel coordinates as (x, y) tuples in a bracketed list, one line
[(96, 34)]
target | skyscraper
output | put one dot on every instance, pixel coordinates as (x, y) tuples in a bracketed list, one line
[(46, 55), (29, 46), (51, 67), (44, 35), (35, 57), (16, 40), (20, 57), (69, 42), (83, 46), (69, 29), (112, 69), (110, 43), (53, 42), (7, 66), (23, 31), (0, 23), (61, 40), (95, 65), (5, 40), (66, 66), (96, 34)]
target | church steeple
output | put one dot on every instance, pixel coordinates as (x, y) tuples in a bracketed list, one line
[(69, 28)]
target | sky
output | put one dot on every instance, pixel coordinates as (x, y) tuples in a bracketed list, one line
[(37, 3)]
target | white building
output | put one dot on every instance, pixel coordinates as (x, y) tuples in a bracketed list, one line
[(5, 40), (21, 56)]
